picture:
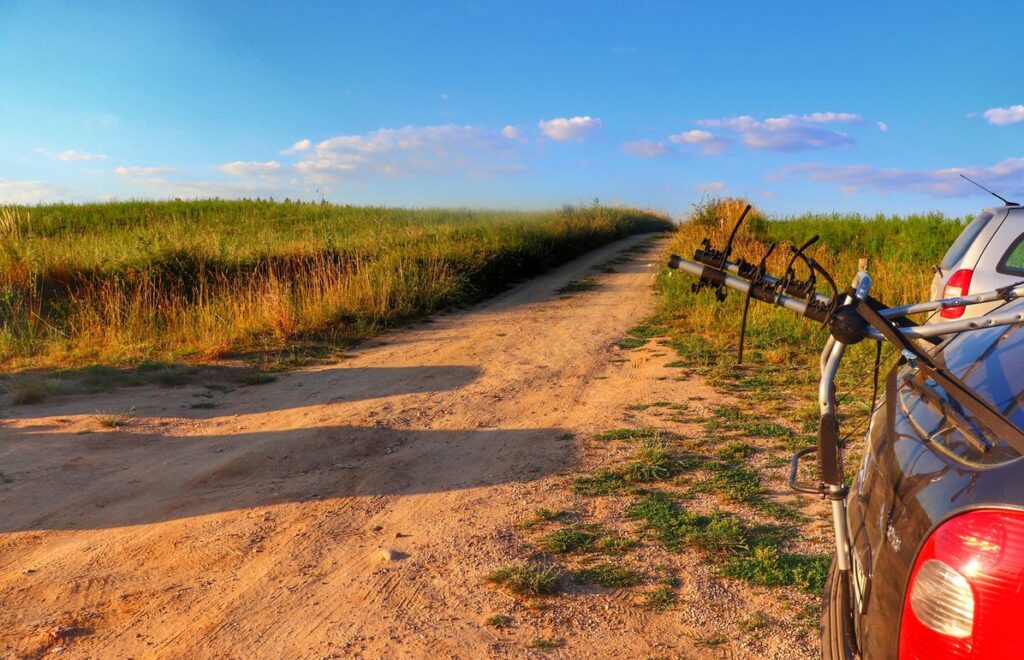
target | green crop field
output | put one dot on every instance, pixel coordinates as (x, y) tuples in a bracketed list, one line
[(122, 282)]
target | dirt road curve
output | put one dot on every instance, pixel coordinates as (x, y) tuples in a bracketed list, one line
[(255, 528)]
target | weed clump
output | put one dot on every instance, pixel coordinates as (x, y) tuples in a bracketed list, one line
[(566, 541), (609, 575), (602, 481), (527, 579), (768, 567)]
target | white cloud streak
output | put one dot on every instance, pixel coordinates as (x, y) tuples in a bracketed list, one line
[(298, 147), (1005, 116), (646, 149), (710, 143), (570, 129), (710, 186), (247, 168), (72, 155), (27, 192), (412, 150), (1006, 177), (121, 170), (790, 132)]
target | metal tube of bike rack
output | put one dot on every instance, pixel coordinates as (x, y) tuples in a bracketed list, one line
[(915, 308), (914, 332), (963, 301), (832, 355)]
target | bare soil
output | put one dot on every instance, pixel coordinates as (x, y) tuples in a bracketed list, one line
[(352, 509)]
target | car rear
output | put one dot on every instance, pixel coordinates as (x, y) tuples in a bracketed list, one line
[(936, 515), (988, 254)]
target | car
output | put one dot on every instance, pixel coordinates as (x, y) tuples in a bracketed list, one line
[(935, 513), (988, 254)]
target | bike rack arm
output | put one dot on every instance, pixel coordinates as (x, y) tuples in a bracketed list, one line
[(913, 332)]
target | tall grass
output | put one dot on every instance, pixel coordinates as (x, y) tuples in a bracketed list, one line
[(128, 281), (900, 250)]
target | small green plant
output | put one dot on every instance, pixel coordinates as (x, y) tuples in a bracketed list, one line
[(632, 434), (602, 481), (542, 515), (735, 450), (754, 622), (660, 599), (499, 621), (544, 644), (675, 528), (566, 541), (737, 483), (630, 343), (527, 579), (711, 641), (768, 567), (114, 420), (616, 545), (647, 330), (651, 462), (769, 430), (609, 575)]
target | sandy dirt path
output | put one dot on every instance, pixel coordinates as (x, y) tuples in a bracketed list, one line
[(256, 528)]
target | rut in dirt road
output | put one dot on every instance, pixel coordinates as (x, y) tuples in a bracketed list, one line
[(257, 527)]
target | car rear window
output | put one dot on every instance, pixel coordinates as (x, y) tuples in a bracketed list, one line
[(963, 242), (1012, 262)]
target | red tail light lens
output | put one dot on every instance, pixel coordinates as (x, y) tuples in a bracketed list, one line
[(965, 598), (957, 286)]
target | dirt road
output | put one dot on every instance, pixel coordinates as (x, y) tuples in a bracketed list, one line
[(256, 528)]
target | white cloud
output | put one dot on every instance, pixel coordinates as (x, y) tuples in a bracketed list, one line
[(646, 149), (711, 144), (790, 132), (1005, 177), (566, 129), (163, 187), (27, 192), (882, 126), (298, 147), (513, 133), (1005, 116), (71, 154), (710, 186), (829, 117), (412, 150), (246, 168), (142, 171)]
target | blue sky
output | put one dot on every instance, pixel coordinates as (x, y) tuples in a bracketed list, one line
[(797, 105)]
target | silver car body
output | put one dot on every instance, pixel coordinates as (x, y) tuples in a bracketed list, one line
[(992, 246)]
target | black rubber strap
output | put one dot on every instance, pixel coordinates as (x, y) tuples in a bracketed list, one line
[(829, 456)]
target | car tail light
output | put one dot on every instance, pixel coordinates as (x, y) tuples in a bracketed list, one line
[(965, 598), (957, 286)]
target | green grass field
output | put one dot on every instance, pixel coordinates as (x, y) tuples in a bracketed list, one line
[(122, 282)]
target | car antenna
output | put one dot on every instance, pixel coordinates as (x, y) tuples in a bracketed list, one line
[(999, 197)]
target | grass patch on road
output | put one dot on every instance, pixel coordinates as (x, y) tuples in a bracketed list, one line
[(527, 579)]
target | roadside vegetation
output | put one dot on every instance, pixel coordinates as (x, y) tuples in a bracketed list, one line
[(124, 282), (693, 482), (782, 348)]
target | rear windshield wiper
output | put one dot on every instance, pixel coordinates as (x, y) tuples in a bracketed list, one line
[(969, 429)]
